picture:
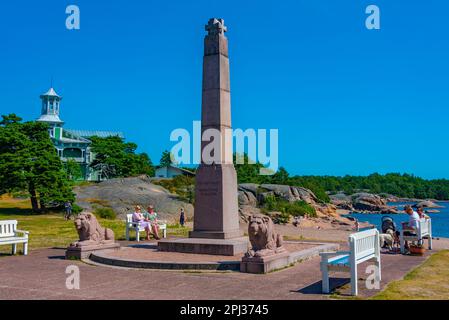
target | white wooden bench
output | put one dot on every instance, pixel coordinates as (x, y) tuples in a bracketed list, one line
[(424, 231), (9, 234), (131, 225), (363, 246)]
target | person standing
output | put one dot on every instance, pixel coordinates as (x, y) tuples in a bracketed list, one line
[(68, 210), (297, 221), (356, 225), (182, 218)]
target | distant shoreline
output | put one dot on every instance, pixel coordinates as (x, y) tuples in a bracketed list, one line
[(417, 200)]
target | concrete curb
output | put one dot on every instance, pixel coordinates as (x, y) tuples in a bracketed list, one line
[(103, 258)]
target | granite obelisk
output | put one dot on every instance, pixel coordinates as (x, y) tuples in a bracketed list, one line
[(216, 204), (216, 220)]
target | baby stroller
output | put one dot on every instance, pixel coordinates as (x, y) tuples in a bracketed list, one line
[(387, 224)]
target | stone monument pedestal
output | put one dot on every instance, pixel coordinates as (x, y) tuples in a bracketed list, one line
[(266, 264), (215, 235), (221, 247), (83, 252)]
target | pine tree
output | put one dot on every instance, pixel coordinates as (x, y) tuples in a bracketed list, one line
[(167, 159), (28, 161), (116, 158)]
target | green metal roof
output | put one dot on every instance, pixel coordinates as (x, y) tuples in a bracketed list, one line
[(92, 133)]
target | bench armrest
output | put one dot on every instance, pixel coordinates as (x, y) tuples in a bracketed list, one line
[(22, 231), (327, 255)]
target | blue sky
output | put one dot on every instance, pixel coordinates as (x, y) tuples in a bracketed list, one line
[(346, 100)]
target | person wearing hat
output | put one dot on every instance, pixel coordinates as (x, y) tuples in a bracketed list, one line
[(152, 218), (138, 217)]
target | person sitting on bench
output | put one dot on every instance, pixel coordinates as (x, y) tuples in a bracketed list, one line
[(144, 223), (421, 213), (152, 218), (410, 228)]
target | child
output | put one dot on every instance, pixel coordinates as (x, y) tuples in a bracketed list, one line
[(356, 225)]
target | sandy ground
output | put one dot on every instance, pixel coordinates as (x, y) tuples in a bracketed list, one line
[(332, 229)]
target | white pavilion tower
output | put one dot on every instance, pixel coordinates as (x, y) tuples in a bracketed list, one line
[(50, 113)]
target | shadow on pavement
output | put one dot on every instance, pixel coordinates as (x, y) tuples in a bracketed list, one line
[(315, 288)]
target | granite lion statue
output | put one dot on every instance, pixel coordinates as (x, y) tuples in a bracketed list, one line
[(264, 240), (90, 232)]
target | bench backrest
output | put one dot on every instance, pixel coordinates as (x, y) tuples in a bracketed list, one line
[(364, 245), (424, 227), (129, 218), (8, 228)]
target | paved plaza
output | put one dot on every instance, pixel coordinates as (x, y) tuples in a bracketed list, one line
[(42, 275)]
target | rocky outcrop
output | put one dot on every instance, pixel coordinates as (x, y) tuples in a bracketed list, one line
[(247, 198), (362, 202), (342, 201), (368, 202), (290, 193), (254, 195), (365, 202), (427, 204), (123, 194)]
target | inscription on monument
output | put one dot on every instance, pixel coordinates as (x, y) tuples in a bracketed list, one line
[(208, 188)]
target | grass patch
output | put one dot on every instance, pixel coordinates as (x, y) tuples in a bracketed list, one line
[(13, 206), (52, 230), (105, 213), (103, 203), (430, 281), (177, 230), (294, 238), (83, 183)]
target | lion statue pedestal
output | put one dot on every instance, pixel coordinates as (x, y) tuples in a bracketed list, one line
[(267, 252), (92, 237)]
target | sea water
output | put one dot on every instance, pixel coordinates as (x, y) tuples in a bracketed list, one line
[(440, 221)]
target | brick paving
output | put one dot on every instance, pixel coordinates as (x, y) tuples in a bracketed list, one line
[(41, 275)]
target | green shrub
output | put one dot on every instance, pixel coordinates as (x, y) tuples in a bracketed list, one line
[(318, 191), (287, 209), (76, 209), (283, 218), (181, 185), (300, 208), (105, 213)]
